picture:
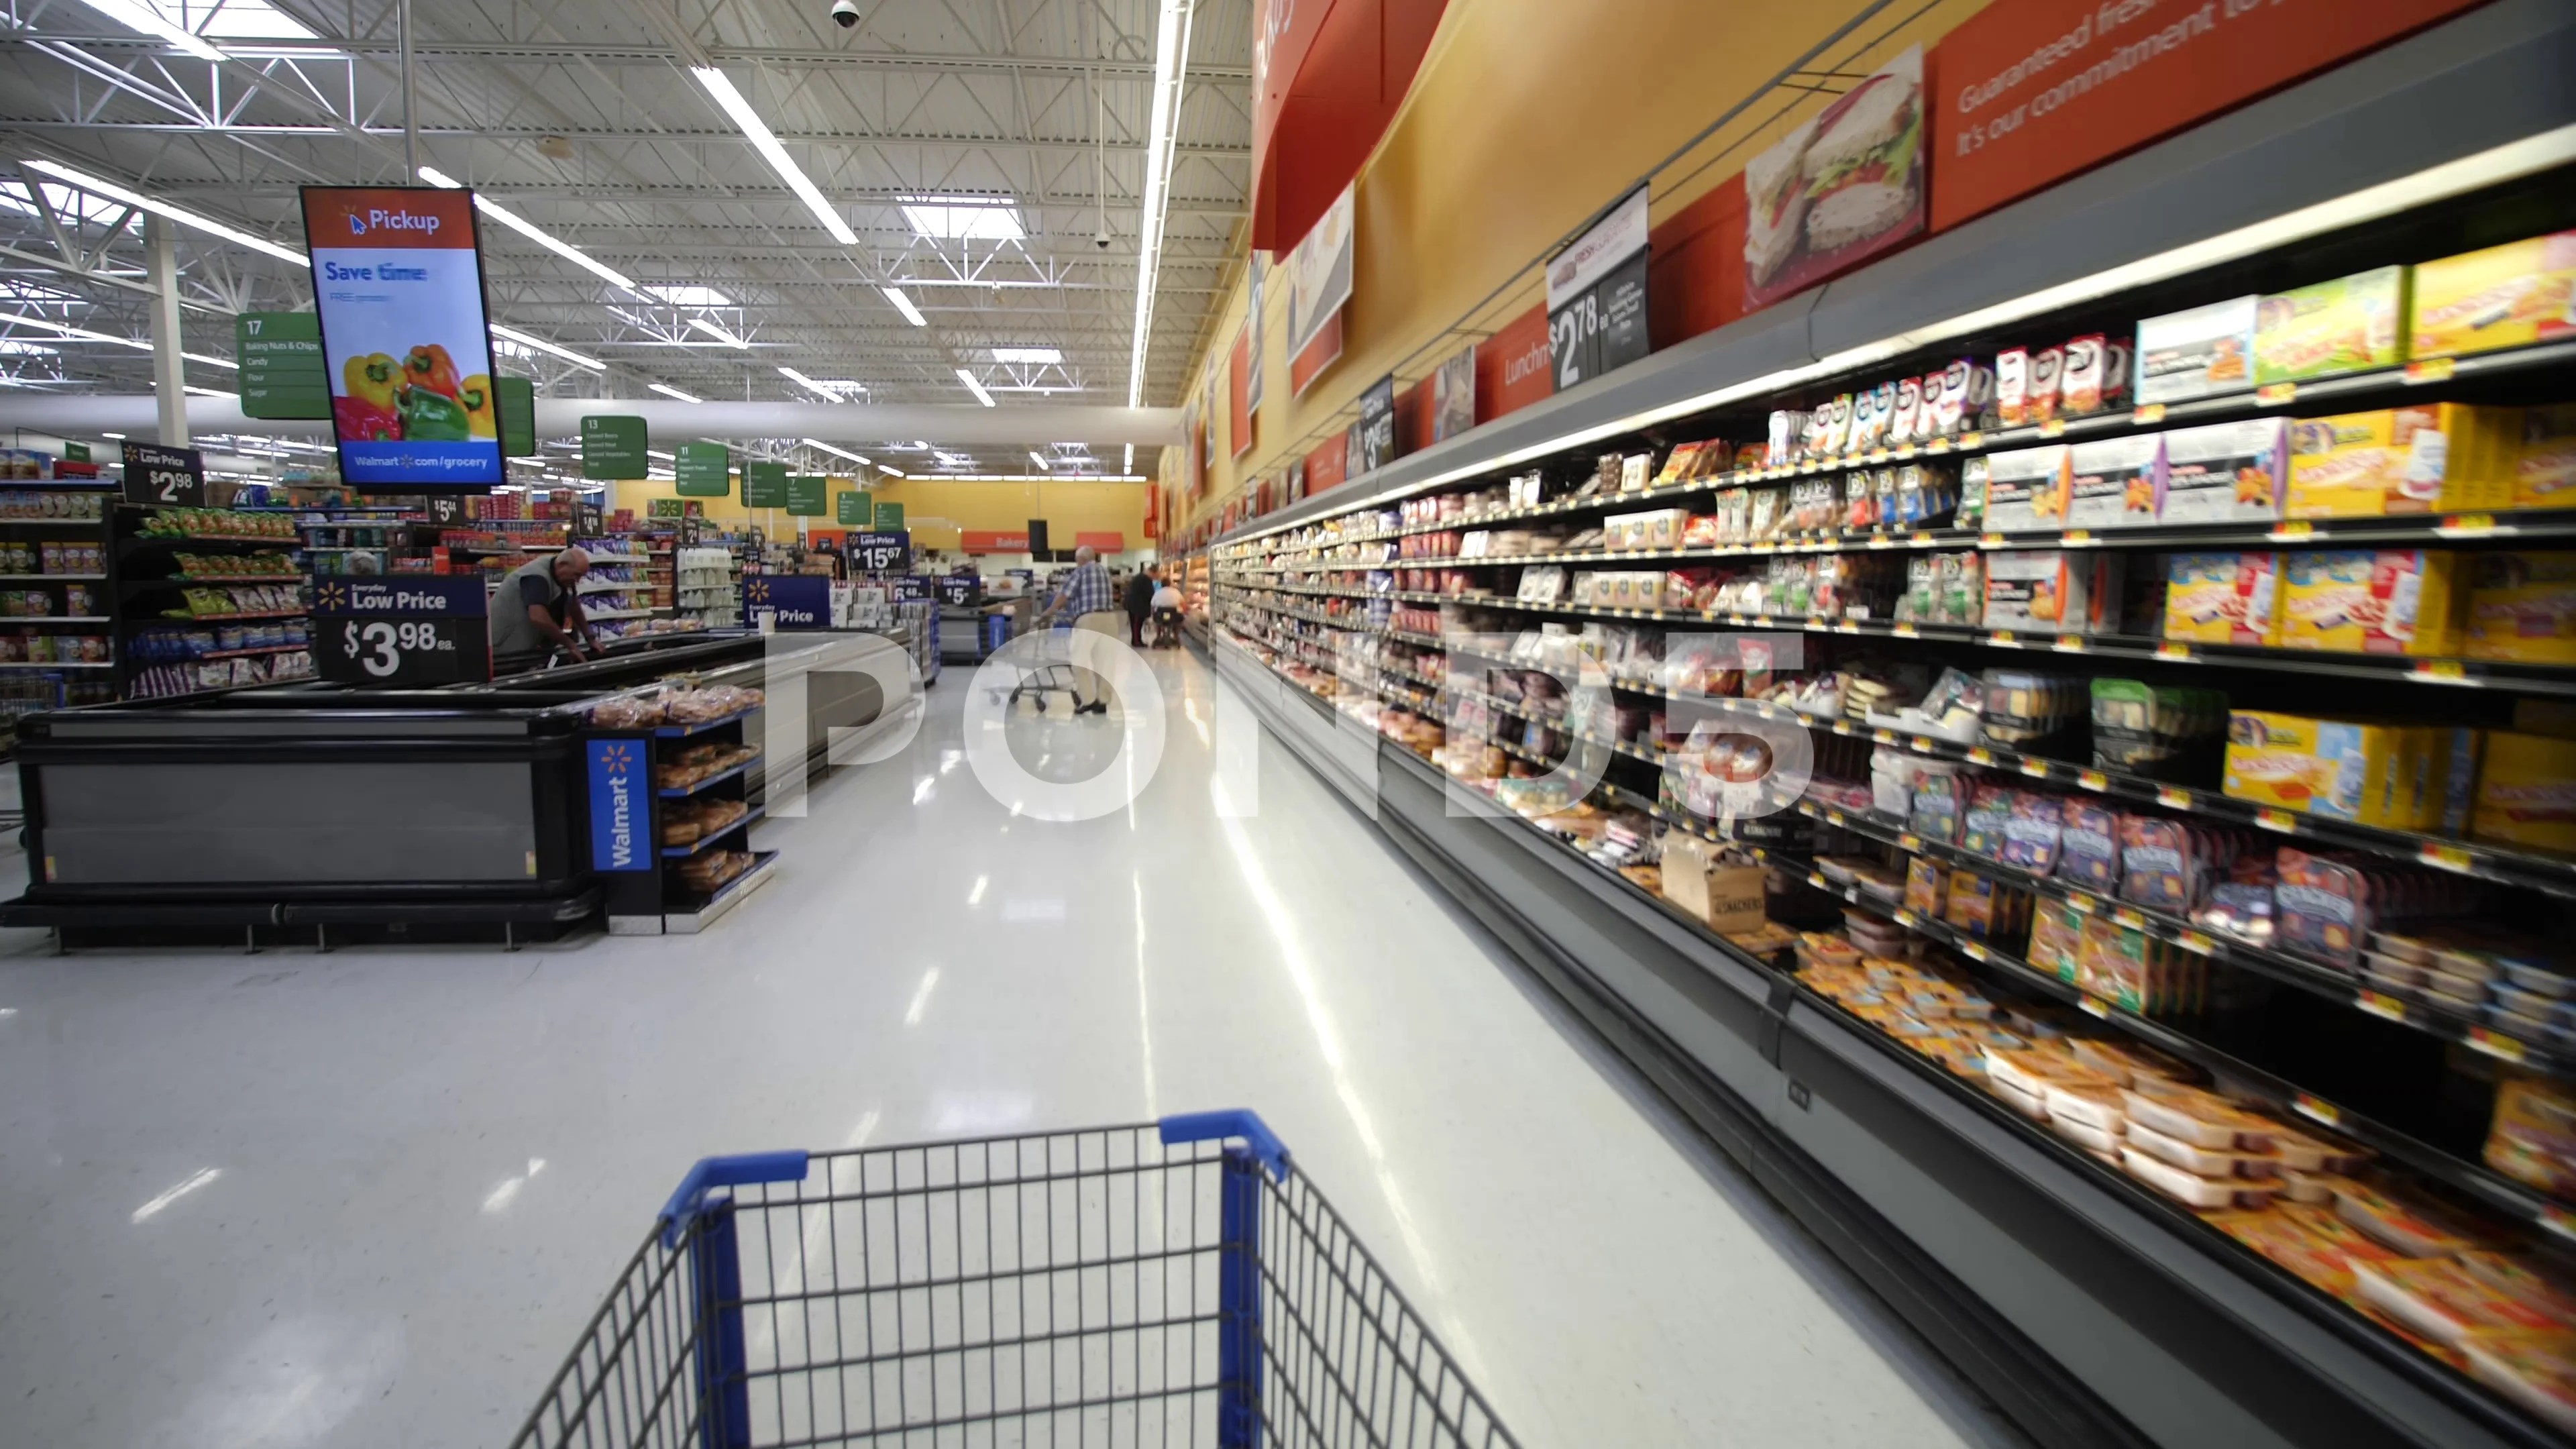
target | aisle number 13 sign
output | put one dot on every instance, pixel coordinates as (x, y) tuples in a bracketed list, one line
[(401, 631)]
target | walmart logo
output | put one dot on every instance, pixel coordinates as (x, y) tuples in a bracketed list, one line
[(332, 597), (617, 757), (616, 812), (759, 589)]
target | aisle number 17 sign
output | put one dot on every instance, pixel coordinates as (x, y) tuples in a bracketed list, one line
[(401, 631)]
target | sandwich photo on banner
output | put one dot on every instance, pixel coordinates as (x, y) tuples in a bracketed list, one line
[(1841, 188)]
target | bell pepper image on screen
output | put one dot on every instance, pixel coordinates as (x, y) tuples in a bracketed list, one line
[(1841, 188), (398, 284)]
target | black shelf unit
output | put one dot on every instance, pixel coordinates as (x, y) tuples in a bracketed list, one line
[(650, 898)]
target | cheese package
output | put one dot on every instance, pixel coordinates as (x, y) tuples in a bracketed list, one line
[(2227, 472), (2317, 767), (2505, 296), (2522, 607), (2051, 591), (2026, 488), (2394, 460), (2361, 601), (2339, 326), (2544, 465), (2199, 353), (2116, 482), (2526, 791), (2222, 598), (2096, 375), (2012, 387)]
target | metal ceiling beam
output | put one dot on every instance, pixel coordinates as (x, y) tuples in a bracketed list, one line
[(612, 53), (709, 136)]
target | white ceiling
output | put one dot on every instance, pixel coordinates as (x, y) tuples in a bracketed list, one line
[(583, 118)]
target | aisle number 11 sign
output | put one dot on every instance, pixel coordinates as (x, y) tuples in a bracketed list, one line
[(401, 631)]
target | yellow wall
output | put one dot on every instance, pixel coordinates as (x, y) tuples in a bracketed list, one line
[(1068, 508), (1526, 117)]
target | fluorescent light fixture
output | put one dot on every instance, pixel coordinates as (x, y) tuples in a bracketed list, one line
[(819, 444), (2526, 157), (1171, 45), (1040, 459), (144, 16), (890, 468), (719, 334), (963, 218), (834, 388), (531, 231), (197, 391), (975, 387), (539, 343), (1039, 478), (666, 390), (752, 127), (187, 1185), (1129, 466), (1042, 356), (658, 453), (903, 304), (686, 295), (84, 334), (157, 207), (21, 347)]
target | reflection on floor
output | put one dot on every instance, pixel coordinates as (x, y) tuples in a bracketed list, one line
[(369, 1198)]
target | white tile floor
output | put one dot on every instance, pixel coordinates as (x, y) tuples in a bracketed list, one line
[(369, 1198)]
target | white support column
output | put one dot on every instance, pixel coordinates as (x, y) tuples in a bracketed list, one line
[(169, 370)]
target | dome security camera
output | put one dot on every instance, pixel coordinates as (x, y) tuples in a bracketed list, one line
[(845, 13), (1100, 239)]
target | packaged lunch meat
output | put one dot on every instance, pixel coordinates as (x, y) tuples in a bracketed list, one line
[(2360, 601), (2026, 488), (2222, 598), (2115, 482), (2096, 374), (2198, 353), (2506, 296), (2186, 1186), (2227, 472), (2327, 328), (2534, 1368), (2200, 1118), (2403, 1222), (2443, 1300)]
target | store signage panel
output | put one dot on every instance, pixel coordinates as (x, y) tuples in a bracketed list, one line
[(800, 601), (281, 365), (881, 553), (1372, 438), (398, 288), (402, 630), (764, 485), (172, 476), (702, 470), (621, 804), (808, 496), (1453, 396), (1239, 416), (514, 409), (1512, 367), (2029, 92), (983, 540), (1312, 361), (1840, 188), (886, 517), (612, 447), (1596, 295), (912, 590), (959, 589), (1319, 271)]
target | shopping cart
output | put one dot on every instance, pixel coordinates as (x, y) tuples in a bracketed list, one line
[(1051, 670), (1172, 1284)]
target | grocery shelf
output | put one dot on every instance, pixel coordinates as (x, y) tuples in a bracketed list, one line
[(694, 912), (231, 654), (53, 664), (683, 852), (175, 621), (51, 522), (682, 792), (616, 613), (216, 580), (191, 540), (50, 578), (56, 619)]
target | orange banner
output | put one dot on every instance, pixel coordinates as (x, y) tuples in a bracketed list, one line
[(1512, 368), (2029, 92)]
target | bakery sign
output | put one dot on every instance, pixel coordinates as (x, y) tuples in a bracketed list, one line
[(1844, 186), (1596, 295)]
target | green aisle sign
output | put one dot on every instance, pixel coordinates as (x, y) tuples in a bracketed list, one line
[(76, 452), (514, 409), (808, 497), (889, 518), (764, 485), (613, 446), (703, 470), (850, 509), (282, 375)]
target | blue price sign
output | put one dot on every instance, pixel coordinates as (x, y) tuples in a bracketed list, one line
[(912, 590), (959, 589), (801, 601), (881, 553)]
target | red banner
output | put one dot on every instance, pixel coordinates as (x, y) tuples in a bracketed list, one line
[(1512, 368), (398, 216), (1239, 419), (1329, 464), (1327, 77), (2029, 92), (985, 540), (1321, 353), (1105, 541)]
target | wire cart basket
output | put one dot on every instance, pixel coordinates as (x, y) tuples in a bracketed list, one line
[(1171, 1284), (1049, 668)]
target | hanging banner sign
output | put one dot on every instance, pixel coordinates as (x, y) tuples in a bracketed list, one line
[(702, 470), (1839, 189), (1372, 444), (514, 406), (1319, 284), (764, 485), (881, 553), (808, 496), (281, 365), (1453, 396), (172, 476), (1596, 295), (612, 447), (398, 287)]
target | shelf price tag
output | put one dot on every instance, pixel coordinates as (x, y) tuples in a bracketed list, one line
[(1980, 755), (1906, 631), (1975, 951), (1937, 445), (1910, 841), (2441, 671), (2129, 918), (2053, 428), (1884, 737), (2148, 414), (2294, 531), (2447, 857), (2280, 820), (1904, 452), (2381, 1004), (2469, 525), (1834, 817), (2093, 780), (2080, 902), (1923, 743), (2174, 653), (1990, 540), (1907, 918), (2070, 644), (2169, 795), (427, 629), (2003, 638), (2278, 394), (2078, 537), (2495, 1044), (2307, 1106), (1816, 879), (1972, 440), (2558, 1220), (2195, 941), (2431, 369), (2094, 1006), (2037, 769)]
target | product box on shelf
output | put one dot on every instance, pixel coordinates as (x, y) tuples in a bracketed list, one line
[(2526, 791), (2442, 458), (2315, 766), (2522, 608), (2047, 590), (2096, 375), (2227, 472), (2115, 482), (1727, 896), (2222, 598), (2327, 328), (2507, 296), (2198, 353), (2364, 601), (2026, 488), (2544, 461)]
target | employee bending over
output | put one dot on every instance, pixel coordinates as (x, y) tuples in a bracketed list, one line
[(537, 610)]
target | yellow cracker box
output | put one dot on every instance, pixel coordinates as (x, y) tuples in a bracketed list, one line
[(2522, 608), (2501, 297), (2314, 766), (2544, 466), (2443, 458), (2222, 598), (2365, 601), (2527, 792)]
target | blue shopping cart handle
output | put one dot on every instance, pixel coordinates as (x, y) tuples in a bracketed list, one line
[(1217, 1126), (714, 1172)]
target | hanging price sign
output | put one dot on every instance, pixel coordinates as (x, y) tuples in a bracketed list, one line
[(408, 631), (881, 553)]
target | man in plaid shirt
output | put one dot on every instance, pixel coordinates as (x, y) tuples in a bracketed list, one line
[(1084, 592)]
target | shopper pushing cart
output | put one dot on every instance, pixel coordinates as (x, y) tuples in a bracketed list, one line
[(1171, 1284)]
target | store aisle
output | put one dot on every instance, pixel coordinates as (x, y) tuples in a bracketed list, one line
[(368, 1198)]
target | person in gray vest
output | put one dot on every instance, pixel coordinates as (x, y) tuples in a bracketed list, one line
[(538, 608)]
